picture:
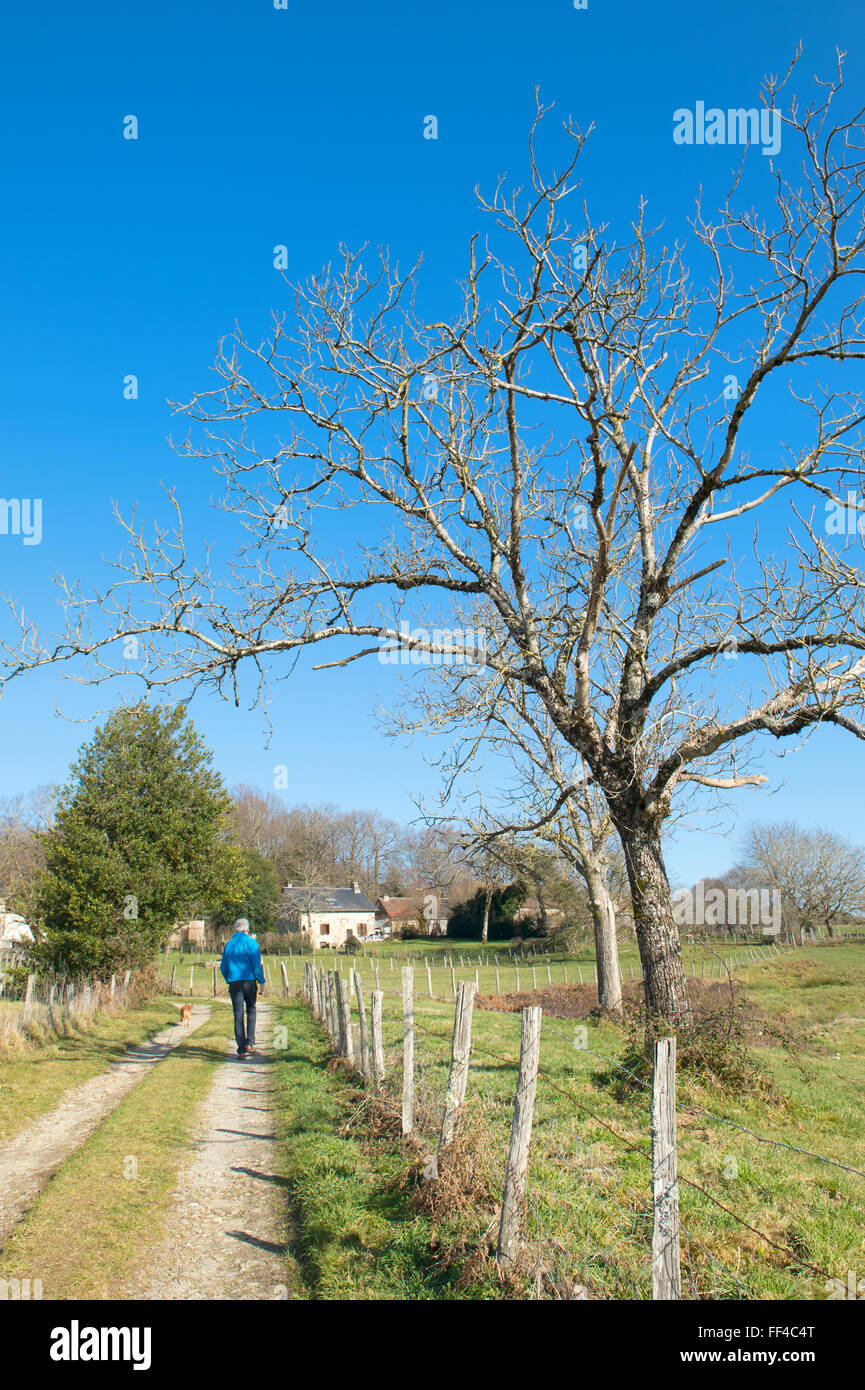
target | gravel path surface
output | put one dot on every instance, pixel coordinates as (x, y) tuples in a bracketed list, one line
[(226, 1226), (30, 1159)]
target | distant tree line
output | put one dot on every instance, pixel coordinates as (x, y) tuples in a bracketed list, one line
[(818, 876), (144, 834)]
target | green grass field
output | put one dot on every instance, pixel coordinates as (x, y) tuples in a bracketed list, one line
[(589, 1208), (194, 975), (371, 1222)]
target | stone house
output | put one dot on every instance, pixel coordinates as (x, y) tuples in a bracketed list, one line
[(326, 916), (425, 912)]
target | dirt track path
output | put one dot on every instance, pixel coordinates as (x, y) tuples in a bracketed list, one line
[(226, 1226), (32, 1157)]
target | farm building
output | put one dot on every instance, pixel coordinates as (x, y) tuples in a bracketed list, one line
[(14, 931), (327, 916), (425, 912), (196, 934)]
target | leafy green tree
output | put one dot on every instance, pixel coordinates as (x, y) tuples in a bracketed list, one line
[(259, 903), (138, 842)]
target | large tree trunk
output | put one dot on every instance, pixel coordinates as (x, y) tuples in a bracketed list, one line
[(657, 934), (486, 927), (603, 913)]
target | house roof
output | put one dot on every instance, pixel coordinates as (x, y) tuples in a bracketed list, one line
[(315, 898)]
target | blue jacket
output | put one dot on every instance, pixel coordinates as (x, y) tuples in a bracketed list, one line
[(241, 959)]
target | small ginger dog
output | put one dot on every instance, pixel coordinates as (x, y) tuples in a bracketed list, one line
[(185, 1013)]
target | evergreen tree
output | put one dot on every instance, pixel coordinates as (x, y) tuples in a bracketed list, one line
[(259, 903), (137, 843)]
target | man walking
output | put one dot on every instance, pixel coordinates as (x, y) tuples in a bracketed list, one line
[(241, 968)]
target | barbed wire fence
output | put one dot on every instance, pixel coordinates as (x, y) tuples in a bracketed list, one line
[(35, 1008), (427, 1095)]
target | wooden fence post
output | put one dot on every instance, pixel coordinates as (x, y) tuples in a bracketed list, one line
[(28, 1001), (173, 977), (460, 1053), (339, 1018), (407, 1049), (365, 1067), (325, 1005), (429, 982), (315, 996), (521, 1134), (335, 1009), (347, 1025), (666, 1270), (285, 981), (332, 1014), (377, 1039)]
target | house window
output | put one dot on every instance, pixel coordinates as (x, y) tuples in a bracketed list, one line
[(324, 929), (361, 928)]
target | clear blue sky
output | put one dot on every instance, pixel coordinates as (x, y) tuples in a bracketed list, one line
[(304, 127)]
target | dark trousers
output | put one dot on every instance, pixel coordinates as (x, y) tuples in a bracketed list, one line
[(243, 996)]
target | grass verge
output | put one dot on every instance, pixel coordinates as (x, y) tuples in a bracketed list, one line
[(32, 1082), (103, 1209), (358, 1235)]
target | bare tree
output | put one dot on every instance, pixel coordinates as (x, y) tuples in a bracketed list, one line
[(434, 857), (258, 821), (492, 870), (22, 819), (567, 461), (371, 845), (820, 875), (551, 798), (331, 845)]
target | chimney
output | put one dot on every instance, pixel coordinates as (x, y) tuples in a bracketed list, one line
[(355, 886)]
